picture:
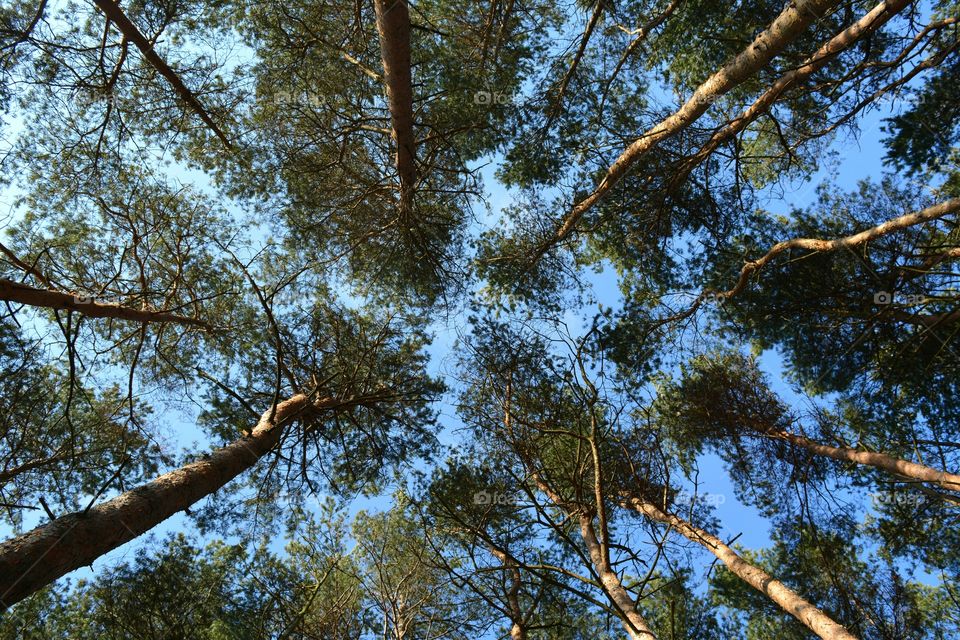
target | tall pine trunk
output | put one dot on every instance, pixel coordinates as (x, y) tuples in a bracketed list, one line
[(393, 25), (786, 598), (890, 464), (35, 559)]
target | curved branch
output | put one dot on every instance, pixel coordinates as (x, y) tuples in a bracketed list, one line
[(640, 35), (823, 246), (896, 466), (568, 76)]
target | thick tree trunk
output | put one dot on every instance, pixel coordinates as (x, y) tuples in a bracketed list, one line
[(895, 466), (869, 23), (130, 31), (20, 293), (35, 559), (787, 599), (393, 25), (784, 29)]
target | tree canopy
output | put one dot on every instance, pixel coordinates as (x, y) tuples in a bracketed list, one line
[(419, 319)]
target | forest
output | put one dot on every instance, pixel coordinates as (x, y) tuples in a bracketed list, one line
[(478, 320)]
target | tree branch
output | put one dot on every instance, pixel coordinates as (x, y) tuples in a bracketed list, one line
[(767, 45), (116, 15), (11, 291), (877, 17)]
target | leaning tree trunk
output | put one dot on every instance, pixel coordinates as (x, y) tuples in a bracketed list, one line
[(890, 464), (393, 25), (792, 21), (787, 599), (130, 31), (869, 23), (35, 559), (610, 583)]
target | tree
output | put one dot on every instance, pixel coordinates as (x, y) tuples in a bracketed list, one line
[(236, 228)]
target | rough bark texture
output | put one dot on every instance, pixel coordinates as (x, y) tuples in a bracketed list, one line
[(130, 31), (787, 599), (896, 466), (393, 25), (38, 557), (787, 26), (20, 293), (869, 23)]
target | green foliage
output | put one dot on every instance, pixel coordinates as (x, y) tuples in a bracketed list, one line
[(872, 598), (289, 247)]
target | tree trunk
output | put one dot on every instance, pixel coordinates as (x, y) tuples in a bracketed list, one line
[(896, 466), (393, 25), (634, 623), (35, 559), (798, 15), (869, 23), (517, 630), (610, 582), (814, 619), (20, 293)]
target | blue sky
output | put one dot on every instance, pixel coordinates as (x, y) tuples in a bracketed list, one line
[(856, 159)]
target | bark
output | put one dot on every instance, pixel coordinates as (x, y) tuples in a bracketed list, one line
[(130, 31), (610, 582), (393, 25), (767, 45), (636, 626), (895, 466), (12, 291), (517, 629), (869, 23), (35, 559), (928, 320), (787, 599)]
